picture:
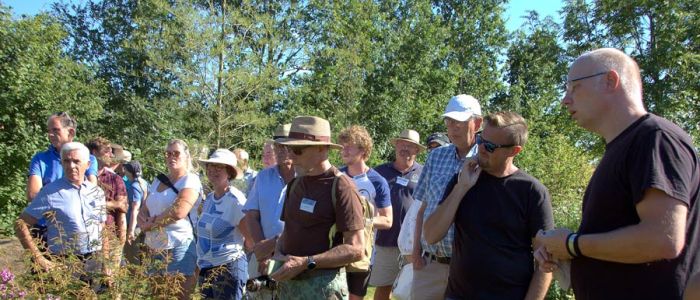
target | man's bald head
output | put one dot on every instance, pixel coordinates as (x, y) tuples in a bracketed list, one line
[(606, 59)]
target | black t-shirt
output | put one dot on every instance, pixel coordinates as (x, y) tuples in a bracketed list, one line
[(650, 153), (494, 227)]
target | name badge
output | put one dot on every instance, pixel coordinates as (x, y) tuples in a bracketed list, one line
[(307, 205), (402, 181)]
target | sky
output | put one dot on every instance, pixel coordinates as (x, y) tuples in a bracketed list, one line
[(515, 9)]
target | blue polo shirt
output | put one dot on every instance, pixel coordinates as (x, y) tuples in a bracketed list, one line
[(266, 196), (47, 165), (79, 212), (402, 186)]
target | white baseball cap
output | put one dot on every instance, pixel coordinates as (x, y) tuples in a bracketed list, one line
[(462, 107)]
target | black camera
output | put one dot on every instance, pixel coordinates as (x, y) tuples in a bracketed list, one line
[(261, 282)]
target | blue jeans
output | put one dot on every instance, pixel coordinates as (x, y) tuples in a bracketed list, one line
[(225, 281), (181, 259)]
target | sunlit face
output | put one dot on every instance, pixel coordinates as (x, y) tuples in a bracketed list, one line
[(351, 154), (104, 155), (268, 156), (583, 98), (461, 132), (405, 151), (218, 175), (176, 157), (304, 157), (59, 135), (74, 167), (497, 158)]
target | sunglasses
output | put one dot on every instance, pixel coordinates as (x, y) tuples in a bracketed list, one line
[(172, 153), (297, 150), (489, 146)]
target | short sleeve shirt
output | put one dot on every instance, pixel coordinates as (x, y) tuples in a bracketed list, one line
[(650, 153), (78, 212), (372, 186), (494, 226), (401, 186), (113, 186), (309, 213), (134, 193), (442, 164), (158, 202), (266, 197), (219, 239)]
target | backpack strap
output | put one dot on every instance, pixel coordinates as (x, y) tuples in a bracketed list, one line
[(165, 180), (334, 199)]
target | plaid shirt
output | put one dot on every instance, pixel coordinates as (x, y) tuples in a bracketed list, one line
[(443, 163), (113, 187)]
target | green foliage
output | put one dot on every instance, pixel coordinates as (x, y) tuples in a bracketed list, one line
[(36, 79)]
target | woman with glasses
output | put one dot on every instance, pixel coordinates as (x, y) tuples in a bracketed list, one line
[(220, 255), (169, 214)]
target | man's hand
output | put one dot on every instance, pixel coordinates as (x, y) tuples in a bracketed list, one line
[(418, 262), (545, 262), (147, 224), (469, 174), (265, 248), (291, 268), (554, 241), (45, 264)]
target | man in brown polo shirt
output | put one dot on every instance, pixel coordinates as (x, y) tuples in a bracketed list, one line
[(314, 260)]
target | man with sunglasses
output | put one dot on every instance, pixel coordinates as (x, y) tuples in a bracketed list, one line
[(431, 260), (314, 258), (497, 209), (638, 237)]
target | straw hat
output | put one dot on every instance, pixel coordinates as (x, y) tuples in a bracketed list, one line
[(224, 157), (282, 131), (309, 131), (409, 135)]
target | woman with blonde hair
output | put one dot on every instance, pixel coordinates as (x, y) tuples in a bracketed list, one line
[(169, 214)]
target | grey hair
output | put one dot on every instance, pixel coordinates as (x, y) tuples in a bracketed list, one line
[(66, 120), (83, 151)]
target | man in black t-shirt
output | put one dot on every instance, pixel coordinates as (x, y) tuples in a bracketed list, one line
[(496, 214), (638, 237)]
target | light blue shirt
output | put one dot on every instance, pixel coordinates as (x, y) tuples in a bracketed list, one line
[(266, 196), (443, 163), (47, 165), (79, 212)]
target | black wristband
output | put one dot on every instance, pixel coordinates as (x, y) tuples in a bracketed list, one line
[(569, 245), (576, 247)]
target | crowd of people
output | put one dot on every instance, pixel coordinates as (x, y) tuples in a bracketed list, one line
[(301, 228)]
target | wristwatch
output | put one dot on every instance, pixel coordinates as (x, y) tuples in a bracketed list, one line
[(310, 263)]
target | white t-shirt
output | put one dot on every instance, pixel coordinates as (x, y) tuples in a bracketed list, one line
[(157, 203)]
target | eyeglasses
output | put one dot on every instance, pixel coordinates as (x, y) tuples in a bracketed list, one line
[(569, 87), (489, 146), (297, 150), (172, 153)]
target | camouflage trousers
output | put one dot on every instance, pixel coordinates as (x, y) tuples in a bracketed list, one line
[(331, 286)]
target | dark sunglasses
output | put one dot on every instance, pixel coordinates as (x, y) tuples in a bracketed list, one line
[(489, 146), (297, 150)]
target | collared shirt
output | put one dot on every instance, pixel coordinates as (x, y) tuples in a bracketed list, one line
[(79, 212), (443, 163), (47, 165), (402, 186), (113, 186), (266, 196)]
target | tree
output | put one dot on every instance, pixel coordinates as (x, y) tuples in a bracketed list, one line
[(36, 80)]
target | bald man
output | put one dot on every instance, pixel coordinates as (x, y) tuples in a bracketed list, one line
[(638, 237)]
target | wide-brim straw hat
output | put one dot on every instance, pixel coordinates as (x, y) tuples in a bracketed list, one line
[(224, 157), (309, 131), (410, 136)]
